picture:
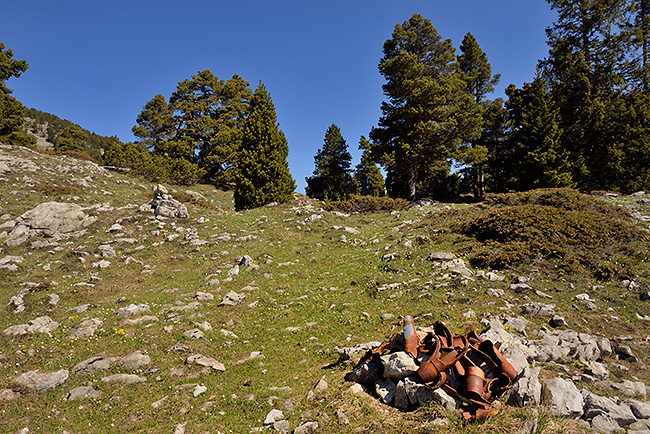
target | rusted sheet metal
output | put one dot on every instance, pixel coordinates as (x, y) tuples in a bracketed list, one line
[(485, 373)]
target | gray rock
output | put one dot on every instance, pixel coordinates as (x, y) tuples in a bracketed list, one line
[(563, 398), (146, 319), (629, 388), (385, 389), (133, 309), (306, 428), (273, 416), (517, 324), (106, 251), (53, 299), (86, 328), (204, 296), (355, 352), (179, 428), (401, 400), (39, 381), (165, 205), (124, 379), (232, 299), (82, 392), (625, 353), (516, 357), (495, 292), (8, 395), (365, 373), (281, 426), (441, 256), (640, 409), (48, 220), (527, 390), (557, 321), (605, 424), (537, 308), (529, 427), (418, 394), (93, 365), (519, 287), (597, 369), (398, 365), (193, 334), (135, 360), (198, 359), (595, 405), (496, 333), (43, 324)]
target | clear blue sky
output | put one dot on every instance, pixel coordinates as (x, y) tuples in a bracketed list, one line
[(97, 63)]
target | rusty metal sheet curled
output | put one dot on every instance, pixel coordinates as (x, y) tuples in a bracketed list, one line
[(484, 372)]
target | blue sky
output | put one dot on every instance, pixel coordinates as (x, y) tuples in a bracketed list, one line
[(97, 63)]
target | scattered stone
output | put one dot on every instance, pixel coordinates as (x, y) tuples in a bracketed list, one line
[(146, 319), (133, 309), (198, 359), (527, 390), (624, 352), (86, 328), (199, 390), (557, 321), (8, 395), (232, 299), (255, 355), (563, 398), (204, 296), (124, 379), (180, 428), (82, 392), (306, 428), (193, 334), (273, 416), (164, 205), (43, 324), (39, 381), (135, 360), (398, 365), (93, 365), (385, 389), (53, 299), (106, 251), (79, 309)]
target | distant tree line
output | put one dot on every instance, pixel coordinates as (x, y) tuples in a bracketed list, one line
[(582, 121)]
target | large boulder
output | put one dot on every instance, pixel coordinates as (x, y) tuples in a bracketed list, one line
[(50, 219), (563, 398)]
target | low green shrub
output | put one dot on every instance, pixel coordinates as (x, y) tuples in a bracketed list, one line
[(366, 204)]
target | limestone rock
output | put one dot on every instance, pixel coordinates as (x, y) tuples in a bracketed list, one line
[(43, 324), (527, 390), (124, 379), (165, 205), (306, 428), (385, 389), (82, 393), (135, 360), (42, 381), (85, 328), (48, 220), (398, 365), (232, 299), (563, 397), (198, 359), (93, 365)]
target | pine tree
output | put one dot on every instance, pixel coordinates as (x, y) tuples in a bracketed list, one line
[(539, 160), (12, 111), (427, 114), (367, 176), (585, 71), (478, 77), (331, 180), (262, 171)]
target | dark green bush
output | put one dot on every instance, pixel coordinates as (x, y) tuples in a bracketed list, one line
[(366, 204)]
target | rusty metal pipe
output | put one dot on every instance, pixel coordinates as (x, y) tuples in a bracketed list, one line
[(410, 336)]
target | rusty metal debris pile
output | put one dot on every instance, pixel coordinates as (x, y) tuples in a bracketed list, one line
[(418, 365)]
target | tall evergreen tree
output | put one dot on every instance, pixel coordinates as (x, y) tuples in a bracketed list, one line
[(156, 127), (427, 112), (331, 179), (539, 160), (12, 111), (367, 176), (262, 171), (478, 77), (584, 71)]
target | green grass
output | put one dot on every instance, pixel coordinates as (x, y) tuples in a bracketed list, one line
[(313, 281)]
